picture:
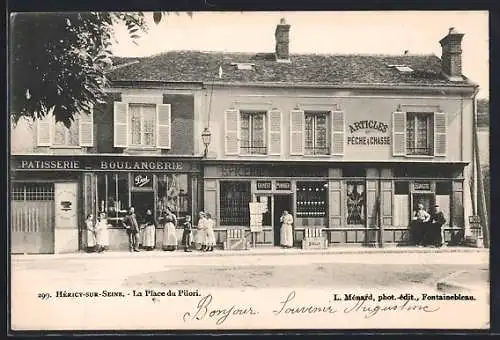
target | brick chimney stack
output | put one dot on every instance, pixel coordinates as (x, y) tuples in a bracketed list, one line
[(282, 41), (451, 58)]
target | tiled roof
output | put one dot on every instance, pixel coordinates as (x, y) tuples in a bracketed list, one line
[(196, 66)]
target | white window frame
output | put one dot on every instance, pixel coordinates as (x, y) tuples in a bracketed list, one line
[(141, 115), (251, 114), (315, 115), (430, 133)]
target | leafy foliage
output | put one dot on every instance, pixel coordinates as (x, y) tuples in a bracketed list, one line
[(58, 61)]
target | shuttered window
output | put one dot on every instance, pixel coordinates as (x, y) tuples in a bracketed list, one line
[(316, 133), (338, 133), (56, 134), (142, 125), (399, 133), (275, 127), (419, 134), (253, 133), (232, 129), (297, 127), (440, 134)]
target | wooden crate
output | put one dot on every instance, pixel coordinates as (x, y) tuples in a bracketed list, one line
[(236, 240), (314, 243), (314, 239)]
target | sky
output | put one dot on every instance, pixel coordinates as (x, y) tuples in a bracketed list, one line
[(368, 32)]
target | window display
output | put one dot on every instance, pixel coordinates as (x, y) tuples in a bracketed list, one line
[(312, 199), (112, 196), (173, 193), (234, 200), (356, 202)]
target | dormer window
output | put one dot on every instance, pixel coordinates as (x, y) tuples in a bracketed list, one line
[(402, 68), (243, 66)]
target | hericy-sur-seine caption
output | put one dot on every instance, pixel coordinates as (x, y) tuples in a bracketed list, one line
[(367, 305), (119, 294)]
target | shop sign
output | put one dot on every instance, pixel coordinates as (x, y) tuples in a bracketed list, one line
[(283, 185), (256, 211), (369, 127), (143, 181), (97, 162), (272, 171), (263, 185), (422, 186)]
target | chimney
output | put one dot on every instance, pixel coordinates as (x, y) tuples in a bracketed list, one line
[(282, 41), (451, 58)]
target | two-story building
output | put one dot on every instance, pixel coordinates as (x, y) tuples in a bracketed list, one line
[(138, 149), (349, 144)]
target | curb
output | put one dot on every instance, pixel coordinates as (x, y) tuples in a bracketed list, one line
[(252, 252)]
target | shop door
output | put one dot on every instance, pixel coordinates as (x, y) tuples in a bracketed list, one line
[(427, 199), (281, 203), (32, 218), (142, 201)]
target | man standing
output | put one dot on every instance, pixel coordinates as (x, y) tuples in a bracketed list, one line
[(437, 221), (132, 227), (420, 230)]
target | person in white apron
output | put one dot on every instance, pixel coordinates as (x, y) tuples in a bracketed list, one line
[(200, 236), (286, 232), (169, 233), (102, 233), (209, 233), (149, 231), (91, 237)]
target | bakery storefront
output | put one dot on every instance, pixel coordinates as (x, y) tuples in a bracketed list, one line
[(347, 204), (52, 195)]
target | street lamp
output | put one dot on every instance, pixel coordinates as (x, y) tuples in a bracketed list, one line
[(205, 137)]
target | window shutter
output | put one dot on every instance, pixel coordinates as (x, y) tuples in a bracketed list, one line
[(86, 128), (164, 126), (120, 124), (232, 131), (399, 133), (297, 135), (275, 126), (440, 134), (45, 127), (338, 133)]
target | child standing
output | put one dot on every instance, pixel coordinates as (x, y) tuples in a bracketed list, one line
[(186, 234)]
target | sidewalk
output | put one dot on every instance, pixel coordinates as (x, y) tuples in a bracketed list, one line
[(464, 281), (256, 252)]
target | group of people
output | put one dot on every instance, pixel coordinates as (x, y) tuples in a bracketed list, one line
[(97, 234), (426, 227), (142, 233)]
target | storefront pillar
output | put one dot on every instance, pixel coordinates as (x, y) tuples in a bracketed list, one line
[(457, 206), (66, 217), (371, 234), (210, 198), (335, 206), (387, 233)]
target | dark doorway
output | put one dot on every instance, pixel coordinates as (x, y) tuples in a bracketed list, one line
[(281, 203), (427, 199), (142, 201)]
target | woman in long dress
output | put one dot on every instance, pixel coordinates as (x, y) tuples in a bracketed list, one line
[(286, 232), (169, 234), (209, 233), (91, 239), (200, 236), (149, 231), (102, 234)]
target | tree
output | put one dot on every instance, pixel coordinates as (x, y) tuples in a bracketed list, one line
[(58, 61)]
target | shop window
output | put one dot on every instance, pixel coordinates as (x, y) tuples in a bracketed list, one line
[(234, 203), (356, 202), (253, 133), (64, 136), (312, 199), (142, 124), (32, 192), (316, 133), (113, 196), (419, 134), (173, 192)]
